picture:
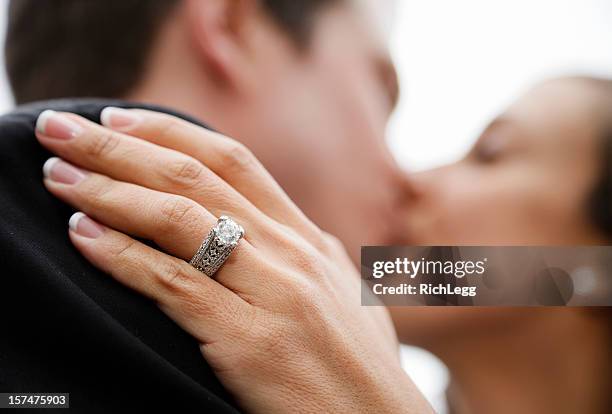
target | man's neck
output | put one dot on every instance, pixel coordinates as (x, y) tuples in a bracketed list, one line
[(174, 78)]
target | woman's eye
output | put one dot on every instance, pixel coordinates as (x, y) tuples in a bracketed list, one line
[(489, 148)]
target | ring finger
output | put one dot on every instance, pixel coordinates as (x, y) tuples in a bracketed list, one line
[(175, 223)]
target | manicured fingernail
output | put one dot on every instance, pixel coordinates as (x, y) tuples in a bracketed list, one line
[(60, 171), (118, 118), (56, 125), (84, 226)]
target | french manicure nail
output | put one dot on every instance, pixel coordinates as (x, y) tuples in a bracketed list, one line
[(61, 172), (84, 226), (118, 118), (56, 125)]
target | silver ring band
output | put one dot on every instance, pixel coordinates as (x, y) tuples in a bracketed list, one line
[(218, 244)]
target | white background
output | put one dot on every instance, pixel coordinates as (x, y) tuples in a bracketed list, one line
[(6, 101), (460, 63)]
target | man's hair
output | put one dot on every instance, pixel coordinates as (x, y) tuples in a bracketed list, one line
[(72, 48)]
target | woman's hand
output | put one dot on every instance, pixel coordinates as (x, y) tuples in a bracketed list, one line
[(281, 322)]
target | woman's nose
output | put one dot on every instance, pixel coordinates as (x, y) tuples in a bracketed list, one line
[(419, 185), (406, 185), (425, 184)]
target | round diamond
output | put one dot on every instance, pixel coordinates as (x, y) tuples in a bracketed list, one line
[(228, 231)]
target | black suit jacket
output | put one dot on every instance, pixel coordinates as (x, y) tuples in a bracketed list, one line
[(64, 325)]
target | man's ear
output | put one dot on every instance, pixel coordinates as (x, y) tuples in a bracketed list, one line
[(217, 29)]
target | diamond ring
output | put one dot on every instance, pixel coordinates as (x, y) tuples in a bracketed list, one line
[(219, 243)]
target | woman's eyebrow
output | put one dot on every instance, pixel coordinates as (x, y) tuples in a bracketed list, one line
[(500, 121), (393, 84), (389, 78)]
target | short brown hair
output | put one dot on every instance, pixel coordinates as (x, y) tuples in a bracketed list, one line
[(75, 48)]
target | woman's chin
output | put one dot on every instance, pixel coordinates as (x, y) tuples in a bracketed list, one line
[(427, 326)]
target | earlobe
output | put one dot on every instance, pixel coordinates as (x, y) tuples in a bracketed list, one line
[(213, 26)]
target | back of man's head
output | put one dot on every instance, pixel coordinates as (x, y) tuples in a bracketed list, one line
[(307, 85), (60, 48)]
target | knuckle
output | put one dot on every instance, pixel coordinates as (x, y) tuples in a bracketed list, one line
[(102, 143), (124, 250), (179, 212), (307, 300), (299, 292), (303, 290), (237, 157), (95, 188), (308, 261), (174, 276), (320, 241), (184, 172), (167, 126), (330, 244), (313, 241)]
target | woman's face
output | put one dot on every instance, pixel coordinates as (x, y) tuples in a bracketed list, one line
[(525, 181)]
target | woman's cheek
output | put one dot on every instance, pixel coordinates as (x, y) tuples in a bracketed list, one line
[(470, 215)]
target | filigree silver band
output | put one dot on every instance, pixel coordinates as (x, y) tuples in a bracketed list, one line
[(219, 243)]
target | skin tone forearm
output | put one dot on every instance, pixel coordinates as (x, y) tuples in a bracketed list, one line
[(281, 322)]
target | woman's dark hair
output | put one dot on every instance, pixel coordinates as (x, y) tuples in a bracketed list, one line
[(601, 198), (600, 202), (59, 48)]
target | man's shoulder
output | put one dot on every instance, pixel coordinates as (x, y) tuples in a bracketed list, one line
[(68, 327)]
